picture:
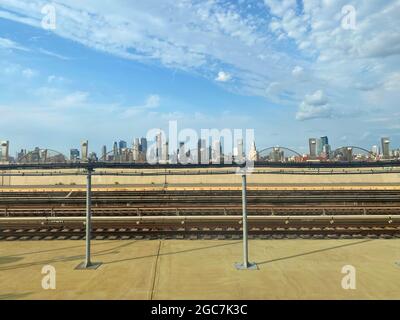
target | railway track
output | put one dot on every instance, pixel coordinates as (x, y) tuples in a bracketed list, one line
[(193, 210), (201, 214), (195, 227)]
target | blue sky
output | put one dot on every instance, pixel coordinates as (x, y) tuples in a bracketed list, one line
[(113, 70)]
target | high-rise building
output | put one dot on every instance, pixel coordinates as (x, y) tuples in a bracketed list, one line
[(20, 155), (216, 151), (319, 147), (277, 155), (239, 151), (253, 154), (115, 151), (202, 152), (164, 152), (74, 154), (135, 150), (348, 154), (4, 149), (182, 152), (159, 146), (385, 148), (143, 145), (375, 150), (84, 150), (104, 153), (325, 147), (93, 156), (326, 151), (122, 145), (313, 147)]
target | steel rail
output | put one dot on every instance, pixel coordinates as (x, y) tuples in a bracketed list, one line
[(159, 219)]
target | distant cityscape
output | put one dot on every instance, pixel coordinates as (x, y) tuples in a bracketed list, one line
[(205, 152)]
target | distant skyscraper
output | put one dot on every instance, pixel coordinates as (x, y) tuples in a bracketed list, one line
[(115, 151), (253, 154), (324, 141), (159, 146), (104, 153), (182, 153), (216, 152), (240, 152), (143, 145), (135, 150), (313, 147), (122, 145), (93, 156), (348, 154), (320, 147), (74, 154), (326, 150), (4, 149), (385, 148), (85, 150), (375, 150), (20, 156), (202, 152), (325, 147), (164, 152), (277, 155)]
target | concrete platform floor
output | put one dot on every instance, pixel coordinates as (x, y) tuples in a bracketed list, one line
[(202, 269)]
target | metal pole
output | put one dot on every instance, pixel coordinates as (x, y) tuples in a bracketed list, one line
[(88, 216), (245, 240), (88, 264), (246, 265)]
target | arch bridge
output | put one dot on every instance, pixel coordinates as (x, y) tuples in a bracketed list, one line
[(264, 154), (343, 151), (43, 156)]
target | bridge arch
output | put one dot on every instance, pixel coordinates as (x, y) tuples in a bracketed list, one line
[(338, 150), (264, 152), (43, 156)]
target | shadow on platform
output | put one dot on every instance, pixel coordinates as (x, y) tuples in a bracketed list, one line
[(313, 252)]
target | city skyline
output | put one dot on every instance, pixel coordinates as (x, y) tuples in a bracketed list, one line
[(204, 149), (287, 69)]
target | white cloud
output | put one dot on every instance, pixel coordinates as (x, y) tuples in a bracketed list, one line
[(75, 99), (318, 98), (60, 98), (152, 102), (268, 55), (11, 45), (223, 77), (54, 79), (29, 73), (53, 54), (297, 72), (314, 106)]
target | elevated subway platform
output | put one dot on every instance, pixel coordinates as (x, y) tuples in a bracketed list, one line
[(175, 269)]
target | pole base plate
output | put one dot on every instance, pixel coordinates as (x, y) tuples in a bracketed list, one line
[(250, 266), (91, 266)]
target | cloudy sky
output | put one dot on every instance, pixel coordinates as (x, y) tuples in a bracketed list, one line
[(108, 70)]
